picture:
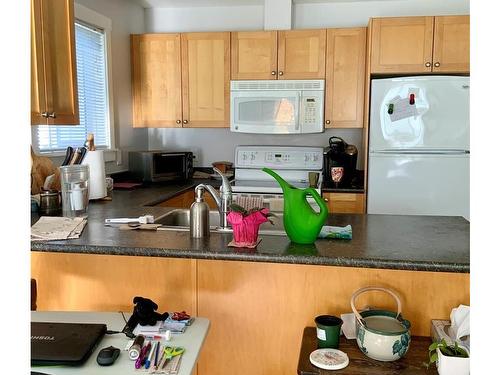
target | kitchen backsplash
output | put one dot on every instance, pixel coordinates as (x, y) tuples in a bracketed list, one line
[(210, 145)]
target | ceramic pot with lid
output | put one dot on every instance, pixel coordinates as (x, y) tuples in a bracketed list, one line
[(381, 334)]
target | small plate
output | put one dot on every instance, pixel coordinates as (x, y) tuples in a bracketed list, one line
[(329, 359)]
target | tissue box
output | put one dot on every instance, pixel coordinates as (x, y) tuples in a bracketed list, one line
[(439, 330)]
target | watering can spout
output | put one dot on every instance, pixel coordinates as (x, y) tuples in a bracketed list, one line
[(285, 186)]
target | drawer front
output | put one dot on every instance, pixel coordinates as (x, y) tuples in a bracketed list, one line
[(345, 202)]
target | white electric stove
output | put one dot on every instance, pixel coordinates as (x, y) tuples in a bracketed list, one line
[(292, 163)]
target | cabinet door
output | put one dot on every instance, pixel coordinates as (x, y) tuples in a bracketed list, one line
[(38, 100), (353, 203), (156, 80), (205, 79), (345, 77), (402, 45), (58, 30), (254, 55), (301, 54), (451, 44)]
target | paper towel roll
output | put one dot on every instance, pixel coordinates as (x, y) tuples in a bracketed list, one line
[(97, 174)]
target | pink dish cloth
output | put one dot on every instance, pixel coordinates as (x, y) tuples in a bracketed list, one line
[(244, 244)]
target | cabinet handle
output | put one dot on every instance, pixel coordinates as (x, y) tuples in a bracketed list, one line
[(428, 64), (185, 121), (273, 73), (280, 73), (327, 122), (178, 121), (437, 64), (325, 199), (45, 114), (52, 115)]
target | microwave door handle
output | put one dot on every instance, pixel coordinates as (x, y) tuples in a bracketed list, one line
[(300, 112)]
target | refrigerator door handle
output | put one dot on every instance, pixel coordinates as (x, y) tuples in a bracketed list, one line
[(394, 151)]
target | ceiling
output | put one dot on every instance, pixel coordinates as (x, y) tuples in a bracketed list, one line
[(216, 3)]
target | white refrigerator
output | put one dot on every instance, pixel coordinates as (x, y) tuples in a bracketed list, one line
[(418, 161)]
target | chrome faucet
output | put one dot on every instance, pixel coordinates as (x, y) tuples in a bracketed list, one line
[(223, 200)]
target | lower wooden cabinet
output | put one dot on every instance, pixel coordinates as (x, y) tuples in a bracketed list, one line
[(347, 203), (89, 282), (257, 310)]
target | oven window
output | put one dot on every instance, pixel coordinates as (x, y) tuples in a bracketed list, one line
[(279, 111), (168, 164)]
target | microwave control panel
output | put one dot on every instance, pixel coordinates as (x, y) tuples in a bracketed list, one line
[(280, 157), (310, 106)]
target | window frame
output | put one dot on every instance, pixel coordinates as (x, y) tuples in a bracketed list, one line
[(90, 18)]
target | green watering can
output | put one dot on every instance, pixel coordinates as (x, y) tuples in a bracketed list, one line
[(302, 223)]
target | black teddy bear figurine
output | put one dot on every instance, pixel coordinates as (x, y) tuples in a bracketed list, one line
[(144, 314)]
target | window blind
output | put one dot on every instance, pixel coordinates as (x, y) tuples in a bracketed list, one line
[(92, 96)]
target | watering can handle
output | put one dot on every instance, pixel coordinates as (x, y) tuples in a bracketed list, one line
[(366, 289), (317, 198)]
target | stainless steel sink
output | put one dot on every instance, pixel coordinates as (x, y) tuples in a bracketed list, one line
[(178, 220)]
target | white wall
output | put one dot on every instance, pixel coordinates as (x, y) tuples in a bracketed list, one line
[(230, 18), (357, 13), (209, 145), (127, 18), (218, 144)]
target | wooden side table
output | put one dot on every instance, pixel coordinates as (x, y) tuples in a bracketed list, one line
[(359, 364)]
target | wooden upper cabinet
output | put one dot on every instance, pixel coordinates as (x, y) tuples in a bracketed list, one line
[(451, 44), (254, 55), (345, 77), (205, 79), (156, 80), (301, 54), (402, 45), (54, 94)]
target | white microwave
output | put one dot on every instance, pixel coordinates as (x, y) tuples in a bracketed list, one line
[(277, 106)]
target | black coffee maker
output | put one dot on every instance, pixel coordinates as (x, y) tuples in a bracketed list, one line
[(340, 161)]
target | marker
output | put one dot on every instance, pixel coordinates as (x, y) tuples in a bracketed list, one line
[(157, 354), (150, 356), (140, 361)]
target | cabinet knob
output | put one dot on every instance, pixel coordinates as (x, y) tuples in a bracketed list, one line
[(428, 64), (437, 64), (178, 121), (325, 199), (273, 73), (185, 121), (52, 115), (280, 73), (327, 122), (45, 114)]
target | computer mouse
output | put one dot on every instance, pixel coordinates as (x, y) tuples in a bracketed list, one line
[(107, 356)]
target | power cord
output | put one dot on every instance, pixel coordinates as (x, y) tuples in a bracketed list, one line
[(126, 330)]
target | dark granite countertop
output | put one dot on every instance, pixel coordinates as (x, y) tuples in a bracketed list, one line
[(418, 243)]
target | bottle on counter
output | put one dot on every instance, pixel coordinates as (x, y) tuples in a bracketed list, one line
[(199, 215)]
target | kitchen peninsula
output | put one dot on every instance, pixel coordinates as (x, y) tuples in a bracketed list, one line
[(258, 301)]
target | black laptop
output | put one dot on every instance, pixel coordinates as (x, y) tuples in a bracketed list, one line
[(64, 343)]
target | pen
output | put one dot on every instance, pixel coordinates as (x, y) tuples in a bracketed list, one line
[(140, 361), (150, 356), (157, 354)]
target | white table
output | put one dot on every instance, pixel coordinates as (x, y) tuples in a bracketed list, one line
[(192, 340)]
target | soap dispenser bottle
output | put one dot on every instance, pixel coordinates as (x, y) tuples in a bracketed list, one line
[(199, 215)]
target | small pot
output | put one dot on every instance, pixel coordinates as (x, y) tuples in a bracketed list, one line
[(452, 365), (381, 334), (50, 203)]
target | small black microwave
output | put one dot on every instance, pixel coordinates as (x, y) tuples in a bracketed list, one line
[(161, 166)]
